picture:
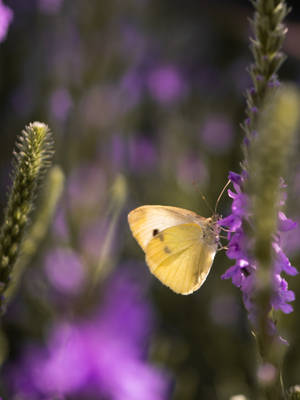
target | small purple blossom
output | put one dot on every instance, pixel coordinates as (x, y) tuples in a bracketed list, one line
[(282, 296), (242, 273), (285, 224), (6, 16)]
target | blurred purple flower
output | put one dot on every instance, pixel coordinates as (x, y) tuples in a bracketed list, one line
[(142, 154), (165, 84), (64, 270), (6, 16), (86, 187), (137, 153), (60, 103), (93, 242), (242, 273), (118, 152), (131, 85), (60, 226), (134, 43), (103, 356), (217, 134), (50, 6)]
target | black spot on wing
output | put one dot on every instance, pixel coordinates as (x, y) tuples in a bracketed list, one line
[(167, 250), (155, 232)]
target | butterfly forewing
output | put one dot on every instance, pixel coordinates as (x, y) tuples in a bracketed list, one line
[(179, 257), (147, 221)]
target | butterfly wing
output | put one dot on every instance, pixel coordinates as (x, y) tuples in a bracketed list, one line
[(147, 221), (179, 257)]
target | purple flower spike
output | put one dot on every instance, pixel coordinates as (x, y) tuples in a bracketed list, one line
[(242, 273)]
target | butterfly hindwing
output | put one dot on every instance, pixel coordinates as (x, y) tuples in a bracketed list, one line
[(179, 257), (147, 221)]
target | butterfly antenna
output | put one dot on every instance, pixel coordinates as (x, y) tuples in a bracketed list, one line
[(220, 195), (206, 202)]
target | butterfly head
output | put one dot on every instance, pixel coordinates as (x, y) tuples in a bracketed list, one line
[(212, 230)]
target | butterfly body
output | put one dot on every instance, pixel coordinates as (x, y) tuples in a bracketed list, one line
[(179, 244)]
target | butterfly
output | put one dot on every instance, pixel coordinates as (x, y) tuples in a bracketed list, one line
[(179, 244)]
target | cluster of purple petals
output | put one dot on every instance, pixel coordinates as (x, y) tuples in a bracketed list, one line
[(242, 273), (103, 356), (6, 16)]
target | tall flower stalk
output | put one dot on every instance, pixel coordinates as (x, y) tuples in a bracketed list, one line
[(268, 35), (257, 221), (32, 158)]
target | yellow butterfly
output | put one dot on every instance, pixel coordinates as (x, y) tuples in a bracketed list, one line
[(179, 244)]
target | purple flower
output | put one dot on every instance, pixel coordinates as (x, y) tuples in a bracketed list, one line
[(6, 16), (242, 273), (118, 152), (138, 153), (64, 270), (285, 224), (165, 84), (217, 134), (282, 296), (131, 86), (86, 186), (142, 154), (103, 356), (60, 103)]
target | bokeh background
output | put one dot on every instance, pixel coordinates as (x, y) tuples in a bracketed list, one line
[(144, 98)]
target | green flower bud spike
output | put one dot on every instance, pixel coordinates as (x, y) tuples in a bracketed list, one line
[(32, 158)]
